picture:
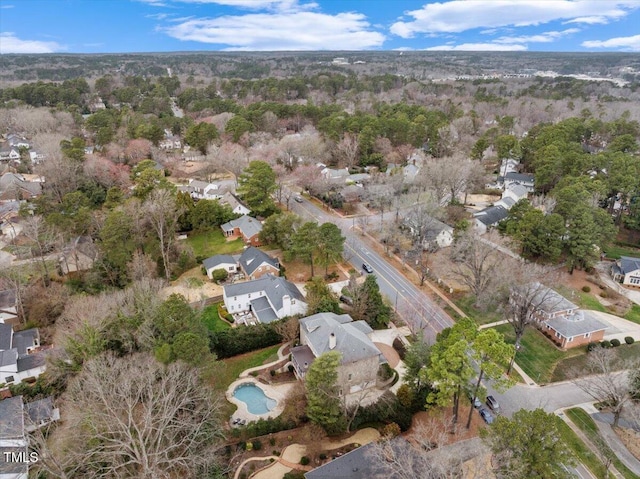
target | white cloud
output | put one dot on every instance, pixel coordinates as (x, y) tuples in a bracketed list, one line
[(9, 43), (154, 3), (544, 37), (7, 6), (456, 16), (158, 16), (479, 47), (282, 31), (278, 5), (620, 43)]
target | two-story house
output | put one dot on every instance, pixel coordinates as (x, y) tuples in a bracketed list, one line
[(267, 299), (19, 355), (237, 206), (253, 262), (626, 271), (360, 358)]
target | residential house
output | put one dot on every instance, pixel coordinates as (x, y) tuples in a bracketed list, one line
[(41, 413), (14, 186), (508, 165), (561, 320), (332, 174), (357, 179), (245, 227), (237, 206), (515, 192), (9, 153), (170, 141), (203, 190), (18, 141), (220, 261), (435, 233), (78, 255), (512, 178), (489, 217), (626, 271), (36, 157), (255, 263), (14, 443), (410, 172), (20, 357), (267, 299), (360, 358)]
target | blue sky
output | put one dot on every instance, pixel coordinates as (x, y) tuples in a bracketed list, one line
[(105, 26)]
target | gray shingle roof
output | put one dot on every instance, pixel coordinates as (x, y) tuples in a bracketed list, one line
[(8, 357), (252, 257), (519, 191), (30, 361), (12, 418), (7, 298), (218, 260), (491, 215), (263, 310), (351, 337), (40, 410), (6, 335), (354, 465), (303, 356), (274, 287), (578, 324), (519, 177), (232, 200), (249, 226), (13, 469), (629, 264), (548, 300), (28, 338)]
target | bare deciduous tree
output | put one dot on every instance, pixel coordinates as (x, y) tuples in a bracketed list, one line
[(347, 150), (607, 380), (162, 213), (133, 417), (43, 240), (288, 329)]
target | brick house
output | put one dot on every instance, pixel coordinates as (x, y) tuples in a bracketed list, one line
[(245, 227)]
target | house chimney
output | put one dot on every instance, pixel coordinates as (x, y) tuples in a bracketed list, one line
[(332, 341)]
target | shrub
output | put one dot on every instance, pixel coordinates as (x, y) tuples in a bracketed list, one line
[(586, 289), (629, 340), (291, 368), (591, 347), (272, 372), (257, 445), (232, 342), (391, 430), (322, 456), (605, 344), (304, 460), (615, 343), (272, 441), (248, 446), (604, 294), (219, 275)]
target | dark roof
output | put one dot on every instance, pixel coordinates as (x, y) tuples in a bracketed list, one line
[(217, 260), (577, 324), (12, 418), (274, 287), (519, 177), (40, 410), (28, 338), (356, 464), (6, 335), (7, 298), (491, 215), (8, 357), (263, 310), (13, 468), (252, 257), (31, 361), (303, 356), (629, 264)]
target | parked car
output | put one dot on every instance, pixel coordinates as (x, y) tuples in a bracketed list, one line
[(486, 415), (298, 199), (367, 267), (476, 403), (346, 300), (493, 404)]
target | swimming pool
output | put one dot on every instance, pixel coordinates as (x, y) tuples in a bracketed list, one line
[(255, 399)]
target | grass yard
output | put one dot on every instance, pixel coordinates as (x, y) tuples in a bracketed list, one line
[(615, 251), (587, 425), (634, 314), (538, 357), (212, 320), (209, 243), (580, 450), (582, 299), (565, 368), (230, 368), (465, 303)]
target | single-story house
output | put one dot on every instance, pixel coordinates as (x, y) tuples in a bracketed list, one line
[(268, 298), (19, 355), (515, 192), (13, 439), (220, 261), (14, 186), (237, 206), (360, 358), (40, 413), (626, 271), (246, 227), (489, 217), (79, 255), (255, 263), (561, 320), (512, 178)]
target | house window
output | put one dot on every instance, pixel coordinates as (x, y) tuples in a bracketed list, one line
[(235, 298), (587, 335), (634, 280), (249, 295), (350, 376), (293, 301), (570, 339), (230, 268), (232, 307), (9, 379), (557, 334)]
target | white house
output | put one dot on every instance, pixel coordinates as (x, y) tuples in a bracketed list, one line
[(19, 355), (203, 190), (489, 217), (220, 261), (626, 270), (515, 192), (237, 206), (268, 298), (512, 178)]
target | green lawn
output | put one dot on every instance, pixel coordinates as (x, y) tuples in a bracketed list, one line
[(565, 369), (582, 453), (582, 299), (212, 320), (615, 251), (537, 356), (231, 368), (633, 314), (213, 242), (587, 425), (465, 303)]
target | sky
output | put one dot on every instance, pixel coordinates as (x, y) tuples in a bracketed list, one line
[(119, 26)]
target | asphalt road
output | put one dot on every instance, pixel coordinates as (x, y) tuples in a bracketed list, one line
[(413, 305)]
